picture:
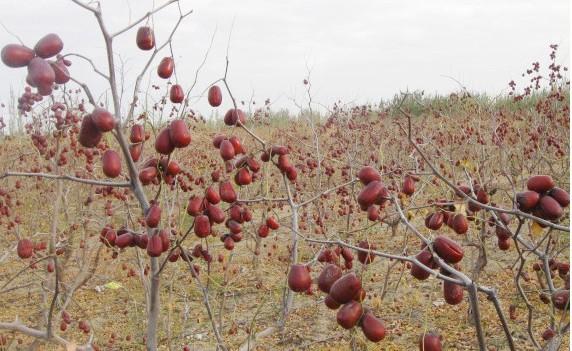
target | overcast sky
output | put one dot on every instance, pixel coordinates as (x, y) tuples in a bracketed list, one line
[(357, 50)]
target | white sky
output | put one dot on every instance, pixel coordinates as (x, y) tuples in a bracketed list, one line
[(357, 50)]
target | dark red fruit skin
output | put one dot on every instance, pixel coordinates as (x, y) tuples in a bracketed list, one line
[(349, 315), (263, 231), (464, 189), (368, 174), (103, 119), (233, 116), (549, 208), (563, 269), (217, 140), (174, 256), (272, 223), (502, 233), (216, 214), (548, 334), (366, 257), (25, 248), (166, 67), (145, 38), (360, 296), (243, 177), (141, 241), (279, 150), (284, 163), (369, 194), (299, 279), (238, 148), (253, 164), (124, 240), (50, 45), (154, 246), (226, 192), (16, 55), (229, 243), (109, 237), (233, 226), (163, 143), (430, 342), (111, 163), (331, 303), (202, 226), (482, 196), (153, 216), (560, 195), (560, 299), (291, 174), (527, 200), (345, 288), (540, 183), (45, 90), (215, 96), (137, 134), (408, 187), (447, 249), (172, 168), (179, 133), (372, 327), (426, 258), (435, 220), (372, 213), (328, 277), (453, 293), (89, 135), (503, 244), (147, 174), (165, 237), (41, 73), (61, 72), (212, 195), (176, 95), (195, 206), (227, 151), (460, 224)]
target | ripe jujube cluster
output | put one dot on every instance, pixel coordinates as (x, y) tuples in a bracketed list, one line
[(207, 212), (374, 195), (445, 215), (28, 100), (543, 199), (344, 292), (282, 162), (42, 73), (270, 224), (560, 297), (450, 252)]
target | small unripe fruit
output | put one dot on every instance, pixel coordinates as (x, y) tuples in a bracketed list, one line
[(179, 133), (349, 314)]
